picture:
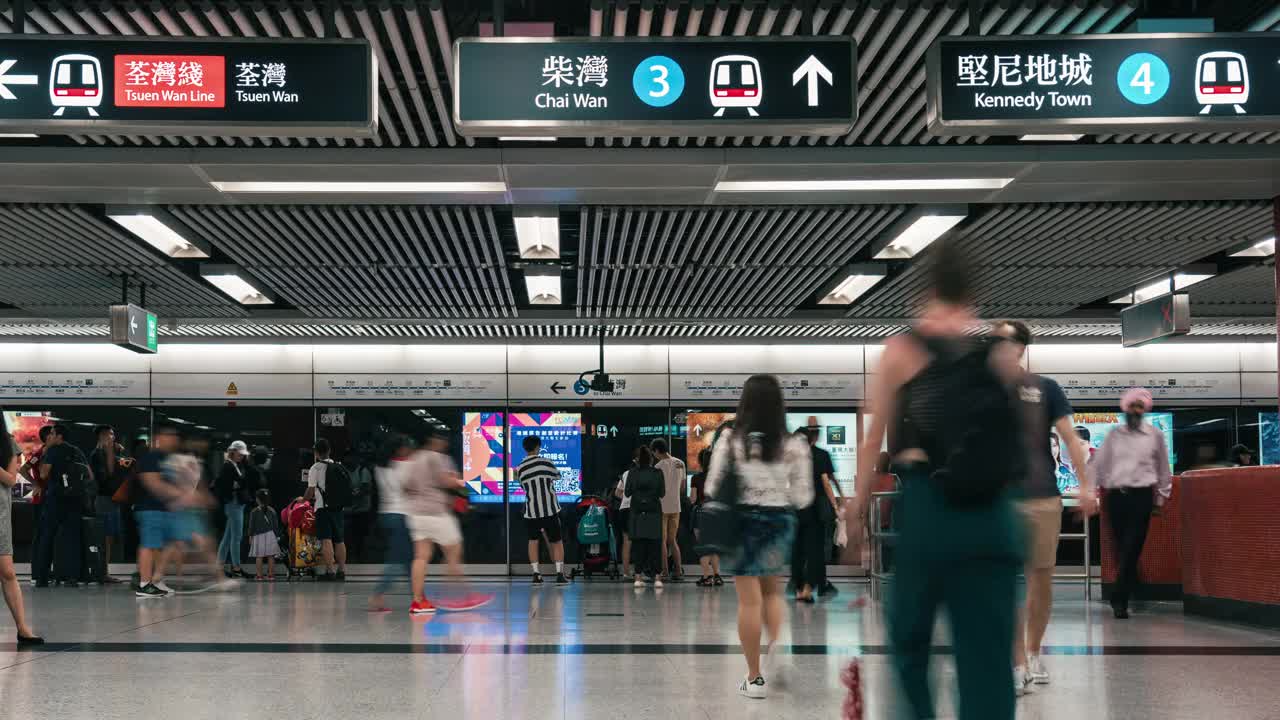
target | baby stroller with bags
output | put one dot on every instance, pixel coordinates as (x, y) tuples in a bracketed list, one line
[(299, 520), (595, 538)]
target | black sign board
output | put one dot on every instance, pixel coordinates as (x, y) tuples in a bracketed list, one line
[(654, 86), (1104, 83), (189, 86), (134, 328), (1165, 316)]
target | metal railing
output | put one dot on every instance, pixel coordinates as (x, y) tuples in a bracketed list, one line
[(879, 537)]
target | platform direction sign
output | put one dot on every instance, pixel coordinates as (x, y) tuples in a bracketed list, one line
[(1199, 82), (187, 86), (598, 87)]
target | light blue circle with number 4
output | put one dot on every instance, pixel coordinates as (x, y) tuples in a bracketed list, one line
[(658, 81), (1143, 78)]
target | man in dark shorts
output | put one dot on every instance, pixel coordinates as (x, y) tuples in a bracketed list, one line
[(329, 520), (541, 507)]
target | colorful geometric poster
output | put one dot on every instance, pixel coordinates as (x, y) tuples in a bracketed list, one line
[(561, 436), (483, 457), (1098, 425)]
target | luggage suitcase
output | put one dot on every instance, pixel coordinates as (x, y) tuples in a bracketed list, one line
[(304, 552), (93, 550)]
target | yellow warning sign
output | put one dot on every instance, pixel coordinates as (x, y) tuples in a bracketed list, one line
[(232, 389)]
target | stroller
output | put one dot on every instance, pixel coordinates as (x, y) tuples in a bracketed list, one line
[(299, 520), (595, 539)]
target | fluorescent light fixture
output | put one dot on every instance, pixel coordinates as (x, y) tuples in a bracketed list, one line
[(542, 282), (858, 279), (159, 230), (18, 136), (232, 281), (538, 233), (1264, 248), (754, 186), (305, 187), (918, 231), (1125, 299), (1153, 289), (527, 139), (1049, 137), (1186, 278)]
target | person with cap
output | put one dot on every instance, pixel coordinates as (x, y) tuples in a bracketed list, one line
[(233, 493), (1133, 466)]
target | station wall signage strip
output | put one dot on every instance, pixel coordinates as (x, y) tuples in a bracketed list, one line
[(192, 86), (527, 87), (1197, 82)]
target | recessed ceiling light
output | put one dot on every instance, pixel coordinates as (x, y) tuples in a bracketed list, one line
[(304, 187), (232, 281), (857, 281), (1049, 137), (18, 136), (1264, 248), (527, 139), (543, 285), (753, 186), (919, 231), (1153, 289), (538, 233), (1186, 278), (158, 230)]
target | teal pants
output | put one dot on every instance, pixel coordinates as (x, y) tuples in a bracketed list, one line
[(966, 562)]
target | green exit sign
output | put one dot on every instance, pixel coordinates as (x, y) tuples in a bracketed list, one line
[(135, 328)]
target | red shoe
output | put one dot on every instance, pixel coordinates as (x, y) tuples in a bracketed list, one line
[(423, 607), (259, 578), (471, 601), (271, 578)]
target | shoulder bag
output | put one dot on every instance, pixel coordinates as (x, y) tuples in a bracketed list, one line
[(719, 522)]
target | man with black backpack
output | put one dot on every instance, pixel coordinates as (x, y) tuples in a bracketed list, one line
[(68, 487), (329, 489)]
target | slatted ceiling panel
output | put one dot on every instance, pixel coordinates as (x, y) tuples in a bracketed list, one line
[(60, 260), (1043, 259), (1249, 291), (367, 260), (716, 262)]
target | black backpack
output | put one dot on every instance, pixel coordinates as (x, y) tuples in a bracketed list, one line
[(75, 485), (978, 450), (337, 486)]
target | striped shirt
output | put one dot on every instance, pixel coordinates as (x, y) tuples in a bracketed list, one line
[(538, 478)]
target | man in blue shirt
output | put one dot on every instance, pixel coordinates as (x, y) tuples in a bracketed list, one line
[(156, 494)]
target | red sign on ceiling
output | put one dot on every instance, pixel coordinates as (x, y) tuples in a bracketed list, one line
[(178, 81)]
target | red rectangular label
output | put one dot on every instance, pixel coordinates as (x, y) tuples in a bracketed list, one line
[(177, 81)]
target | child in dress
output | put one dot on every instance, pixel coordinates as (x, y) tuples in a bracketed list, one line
[(262, 529)]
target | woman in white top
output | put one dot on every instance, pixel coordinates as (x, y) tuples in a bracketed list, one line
[(389, 474), (774, 471), (624, 517)]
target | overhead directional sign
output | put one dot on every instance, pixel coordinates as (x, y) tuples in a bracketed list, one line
[(191, 86), (1104, 83), (134, 328), (654, 86), (1165, 316)]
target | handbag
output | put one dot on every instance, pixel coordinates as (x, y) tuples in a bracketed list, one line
[(719, 522)]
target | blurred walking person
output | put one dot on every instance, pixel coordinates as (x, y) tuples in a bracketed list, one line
[(9, 586), (709, 562), (1133, 466), (1046, 410), (773, 471), (946, 398), (813, 533), (390, 475)]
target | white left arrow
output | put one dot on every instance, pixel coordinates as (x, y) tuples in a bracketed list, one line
[(812, 69), (6, 80)]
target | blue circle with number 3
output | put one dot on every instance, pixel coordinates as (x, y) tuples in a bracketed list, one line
[(658, 81), (1143, 78)]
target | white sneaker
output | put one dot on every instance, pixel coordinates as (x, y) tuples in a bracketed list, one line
[(1036, 670), (1022, 682), (639, 583), (657, 583), (160, 584), (753, 689)]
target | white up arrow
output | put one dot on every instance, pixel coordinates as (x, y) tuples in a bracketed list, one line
[(6, 80), (812, 68), (133, 324)]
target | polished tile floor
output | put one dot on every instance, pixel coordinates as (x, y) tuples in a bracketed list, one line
[(592, 650)]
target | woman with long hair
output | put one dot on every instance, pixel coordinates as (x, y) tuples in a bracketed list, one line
[(773, 470), (645, 487), (709, 562), (959, 541), (8, 578)]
